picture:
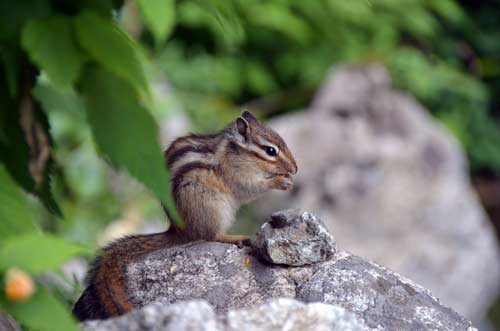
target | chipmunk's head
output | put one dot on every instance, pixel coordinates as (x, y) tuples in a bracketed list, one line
[(265, 151)]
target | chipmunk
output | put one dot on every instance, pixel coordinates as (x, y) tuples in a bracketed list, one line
[(212, 175)]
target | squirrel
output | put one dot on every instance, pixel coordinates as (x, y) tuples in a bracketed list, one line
[(212, 175)]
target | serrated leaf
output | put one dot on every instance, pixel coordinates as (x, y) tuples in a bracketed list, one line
[(35, 253), (14, 151), (42, 312), (15, 154), (44, 190), (111, 48), (126, 132), (159, 17), (15, 216), (49, 43)]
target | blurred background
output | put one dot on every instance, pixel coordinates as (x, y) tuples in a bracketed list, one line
[(392, 108)]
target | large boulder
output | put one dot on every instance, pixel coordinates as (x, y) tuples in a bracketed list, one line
[(239, 287), (393, 185)]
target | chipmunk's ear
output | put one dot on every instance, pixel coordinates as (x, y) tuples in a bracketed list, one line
[(248, 116), (243, 127)]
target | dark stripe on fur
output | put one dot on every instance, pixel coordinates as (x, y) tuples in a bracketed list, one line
[(236, 149), (257, 155), (233, 147), (184, 170), (203, 137), (179, 153)]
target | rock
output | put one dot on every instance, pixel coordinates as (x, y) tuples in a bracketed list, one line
[(296, 316), (199, 315), (394, 186), (236, 285), (295, 239), (7, 323), (193, 315)]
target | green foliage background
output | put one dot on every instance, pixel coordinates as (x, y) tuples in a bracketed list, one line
[(82, 73)]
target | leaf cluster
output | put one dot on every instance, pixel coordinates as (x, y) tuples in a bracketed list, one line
[(272, 55), (64, 64)]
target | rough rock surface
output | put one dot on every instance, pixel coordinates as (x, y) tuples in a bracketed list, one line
[(394, 187), (7, 323), (236, 284), (277, 314), (285, 241)]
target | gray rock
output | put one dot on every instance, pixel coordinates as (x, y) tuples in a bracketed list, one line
[(393, 185), (193, 315), (231, 278), (277, 314), (288, 314), (381, 297), (295, 239), (7, 323)]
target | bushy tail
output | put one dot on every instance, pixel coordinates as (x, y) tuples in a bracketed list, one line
[(88, 306), (105, 295)]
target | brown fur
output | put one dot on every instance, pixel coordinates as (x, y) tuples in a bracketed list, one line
[(212, 176)]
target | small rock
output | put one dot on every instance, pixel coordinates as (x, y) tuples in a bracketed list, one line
[(294, 238), (281, 218)]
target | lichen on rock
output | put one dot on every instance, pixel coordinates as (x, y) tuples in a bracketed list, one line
[(253, 289), (394, 186), (295, 239)]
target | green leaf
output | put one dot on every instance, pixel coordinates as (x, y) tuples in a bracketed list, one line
[(35, 253), (42, 312), (225, 15), (258, 78), (10, 58), (159, 17), (278, 17), (50, 44), (449, 9), (15, 216), (112, 48), (54, 100), (126, 132), (15, 153), (44, 192), (13, 15)]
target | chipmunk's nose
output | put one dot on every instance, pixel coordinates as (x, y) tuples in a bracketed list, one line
[(290, 168)]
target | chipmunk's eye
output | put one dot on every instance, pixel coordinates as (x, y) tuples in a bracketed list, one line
[(271, 151)]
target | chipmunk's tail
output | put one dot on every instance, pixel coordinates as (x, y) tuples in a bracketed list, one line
[(105, 295)]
